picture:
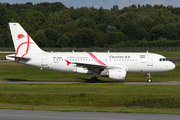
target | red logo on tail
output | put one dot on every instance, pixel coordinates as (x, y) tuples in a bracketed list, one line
[(20, 36)]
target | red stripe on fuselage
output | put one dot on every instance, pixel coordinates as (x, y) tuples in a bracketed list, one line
[(94, 57)]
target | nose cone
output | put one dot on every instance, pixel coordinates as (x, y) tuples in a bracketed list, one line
[(171, 66)]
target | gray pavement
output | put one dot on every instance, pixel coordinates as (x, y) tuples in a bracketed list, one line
[(4, 60), (174, 60), (49, 115), (99, 82)]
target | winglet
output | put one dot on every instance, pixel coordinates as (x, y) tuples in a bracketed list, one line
[(68, 62)]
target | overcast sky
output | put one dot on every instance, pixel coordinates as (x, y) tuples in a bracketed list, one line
[(107, 4)]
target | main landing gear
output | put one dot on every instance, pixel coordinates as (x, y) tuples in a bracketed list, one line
[(149, 78), (93, 79)]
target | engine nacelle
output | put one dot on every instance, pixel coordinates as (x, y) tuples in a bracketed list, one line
[(82, 70), (117, 74)]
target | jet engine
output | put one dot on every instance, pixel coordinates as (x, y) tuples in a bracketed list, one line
[(117, 74)]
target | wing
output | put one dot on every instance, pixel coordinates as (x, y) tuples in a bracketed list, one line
[(100, 68), (93, 67), (96, 67)]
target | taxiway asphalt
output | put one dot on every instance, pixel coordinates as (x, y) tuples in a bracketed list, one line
[(99, 82), (50, 115)]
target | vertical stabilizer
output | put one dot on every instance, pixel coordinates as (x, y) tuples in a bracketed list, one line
[(23, 43)]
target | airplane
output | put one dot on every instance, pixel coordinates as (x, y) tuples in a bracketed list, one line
[(114, 65)]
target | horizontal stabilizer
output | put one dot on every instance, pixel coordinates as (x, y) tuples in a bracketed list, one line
[(25, 59)]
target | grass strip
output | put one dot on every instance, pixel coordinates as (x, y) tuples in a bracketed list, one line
[(93, 97), (95, 100), (89, 109)]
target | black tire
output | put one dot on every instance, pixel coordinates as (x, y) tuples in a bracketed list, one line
[(93, 79)]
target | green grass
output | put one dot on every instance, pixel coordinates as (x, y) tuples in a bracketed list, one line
[(3, 55), (170, 55), (13, 71), (89, 109), (91, 97)]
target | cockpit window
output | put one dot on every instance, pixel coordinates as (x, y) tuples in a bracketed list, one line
[(163, 59)]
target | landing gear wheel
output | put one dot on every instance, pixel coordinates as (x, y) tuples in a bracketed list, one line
[(149, 81), (93, 79), (149, 78)]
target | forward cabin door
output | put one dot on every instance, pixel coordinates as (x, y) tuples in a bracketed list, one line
[(150, 60)]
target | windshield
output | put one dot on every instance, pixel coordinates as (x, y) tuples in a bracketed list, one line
[(163, 59)]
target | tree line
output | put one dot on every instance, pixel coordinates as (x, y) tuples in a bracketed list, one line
[(55, 25)]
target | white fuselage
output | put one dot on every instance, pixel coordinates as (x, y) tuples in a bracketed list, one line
[(133, 62)]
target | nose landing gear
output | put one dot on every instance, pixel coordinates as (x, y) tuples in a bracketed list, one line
[(149, 78)]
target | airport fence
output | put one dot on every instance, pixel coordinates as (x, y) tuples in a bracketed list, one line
[(104, 49)]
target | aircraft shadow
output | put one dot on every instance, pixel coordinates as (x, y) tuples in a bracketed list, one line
[(78, 82), (12, 79)]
